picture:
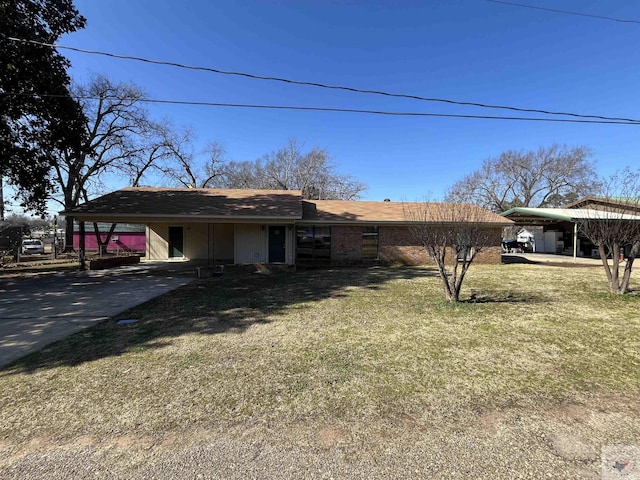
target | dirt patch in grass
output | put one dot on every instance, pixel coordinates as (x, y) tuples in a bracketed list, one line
[(356, 361)]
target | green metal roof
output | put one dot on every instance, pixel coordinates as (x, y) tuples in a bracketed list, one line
[(567, 214)]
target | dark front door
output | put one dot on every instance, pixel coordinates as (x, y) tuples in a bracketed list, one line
[(277, 244), (176, 242)]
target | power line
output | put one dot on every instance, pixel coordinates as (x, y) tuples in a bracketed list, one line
[(321, 85), (345, 110), (566, 12)]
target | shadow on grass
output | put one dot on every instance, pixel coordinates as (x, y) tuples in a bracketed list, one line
[(507, 298), (230, 303), (516, 259)]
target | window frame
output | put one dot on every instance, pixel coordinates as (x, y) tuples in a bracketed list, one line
[(368, 236)]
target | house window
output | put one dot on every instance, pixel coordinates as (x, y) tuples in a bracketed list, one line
[(313, 244), (370, 243), (463, 247)]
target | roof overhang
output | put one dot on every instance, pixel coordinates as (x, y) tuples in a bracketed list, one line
[(396, 223), (143, 219)]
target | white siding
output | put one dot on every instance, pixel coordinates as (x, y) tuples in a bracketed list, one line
[(251, 244), (157, 241), (238, 243), (223, 238), (195, 241), (291, 245)]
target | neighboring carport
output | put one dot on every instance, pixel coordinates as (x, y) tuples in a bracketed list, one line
[(564, 221)]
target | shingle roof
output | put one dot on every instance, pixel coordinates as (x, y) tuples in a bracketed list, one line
[(337, 211), (144, 204), (193, 202), (622, 203), (120, 228)]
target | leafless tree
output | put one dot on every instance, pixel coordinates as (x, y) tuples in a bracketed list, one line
[(155, 156), (453, 234), (177, 160), (117, 126), (289, 168), (613, 225), (244, 174), (121, 139), (548, 177)]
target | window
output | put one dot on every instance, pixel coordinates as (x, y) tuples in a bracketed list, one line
[(370, 243), (313, 244)]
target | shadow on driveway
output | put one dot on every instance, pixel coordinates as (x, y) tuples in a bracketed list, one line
[(38, 309), (231, 303)]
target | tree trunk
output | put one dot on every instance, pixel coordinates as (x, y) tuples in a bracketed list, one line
[(1, 199), (626, 277), (440, 259), (102, 246), (615, 269), (68, 235)]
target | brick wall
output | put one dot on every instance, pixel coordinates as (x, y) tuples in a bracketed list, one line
[(346, 245), (398, 247), (395, 246)]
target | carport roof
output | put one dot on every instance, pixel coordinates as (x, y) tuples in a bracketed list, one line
[(537, 216), (206, 203)]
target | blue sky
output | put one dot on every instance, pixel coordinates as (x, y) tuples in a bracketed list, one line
[(466, 50)]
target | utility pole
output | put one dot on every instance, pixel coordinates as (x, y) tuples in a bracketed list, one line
[(1, 200)]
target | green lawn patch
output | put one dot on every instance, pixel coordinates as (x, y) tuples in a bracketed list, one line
[(354, 346)]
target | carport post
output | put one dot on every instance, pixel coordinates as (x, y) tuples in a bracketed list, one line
[(575, 242), (81, 246)]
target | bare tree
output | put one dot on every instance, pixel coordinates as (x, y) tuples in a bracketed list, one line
[(242, 175), (169, 155), (289, 168), (121, 139), (453, 234), (116, 127), (153, 158), (548, 177), (613, 225)]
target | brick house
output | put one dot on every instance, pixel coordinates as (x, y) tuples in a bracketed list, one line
[(226, 226)]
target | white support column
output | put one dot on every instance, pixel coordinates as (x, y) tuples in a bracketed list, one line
[(575, 242)]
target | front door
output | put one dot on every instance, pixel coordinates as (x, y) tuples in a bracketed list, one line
[(176, 242), (277, 242)]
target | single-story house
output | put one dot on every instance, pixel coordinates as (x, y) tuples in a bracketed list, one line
[(227, 226)]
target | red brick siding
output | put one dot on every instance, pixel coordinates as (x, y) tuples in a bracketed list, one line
[(395, 246), (398, 247), (346, 245)]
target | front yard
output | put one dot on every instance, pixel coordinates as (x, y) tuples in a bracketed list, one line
[(541, 362)]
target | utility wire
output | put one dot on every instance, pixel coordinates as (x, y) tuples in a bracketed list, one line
[(566, 12), (320, 85), (342, 110)]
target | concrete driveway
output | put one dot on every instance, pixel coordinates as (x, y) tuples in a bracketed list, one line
[(37, 309)]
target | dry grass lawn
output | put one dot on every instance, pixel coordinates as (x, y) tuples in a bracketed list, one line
[(356, 358)]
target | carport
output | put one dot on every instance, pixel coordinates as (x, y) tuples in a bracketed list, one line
[(221, 226), (564, 224)]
